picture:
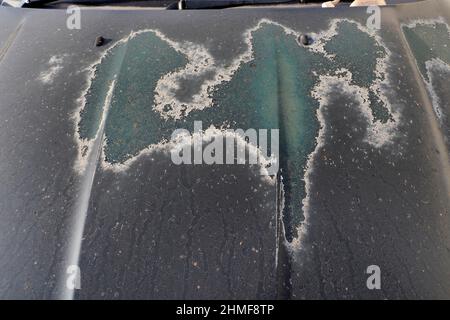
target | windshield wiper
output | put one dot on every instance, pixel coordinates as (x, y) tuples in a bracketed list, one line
[(221, 4)]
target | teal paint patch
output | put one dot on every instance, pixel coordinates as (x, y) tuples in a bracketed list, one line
[(428, 41), (105, 73), (359, 53), (132, 124), (271, 91), (274, 92), (137, 65)]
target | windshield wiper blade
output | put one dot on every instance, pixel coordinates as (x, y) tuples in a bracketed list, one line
[(221, 4)]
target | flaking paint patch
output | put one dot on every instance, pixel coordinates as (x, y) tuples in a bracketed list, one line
[(205, 137), (433, 65), (430, 22), (84, 145), (378, 134), (55, 65), (200, 62), (323, 91)]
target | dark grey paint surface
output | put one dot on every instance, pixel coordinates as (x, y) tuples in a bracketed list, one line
[(162, 231)]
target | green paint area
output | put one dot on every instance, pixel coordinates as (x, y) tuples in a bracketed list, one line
[(132, 125), (358, 52), (430, 44), (95, 98), (427, 42), (273, 91)]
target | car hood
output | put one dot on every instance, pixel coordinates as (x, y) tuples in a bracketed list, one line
[(355, 109)]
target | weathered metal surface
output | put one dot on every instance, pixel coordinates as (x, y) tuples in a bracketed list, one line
[(86, 176)]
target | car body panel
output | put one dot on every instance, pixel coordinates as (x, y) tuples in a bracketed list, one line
[(87, 178)]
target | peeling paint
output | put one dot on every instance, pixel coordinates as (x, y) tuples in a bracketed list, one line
[(429, 41), (55, 65), (228, 97)]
